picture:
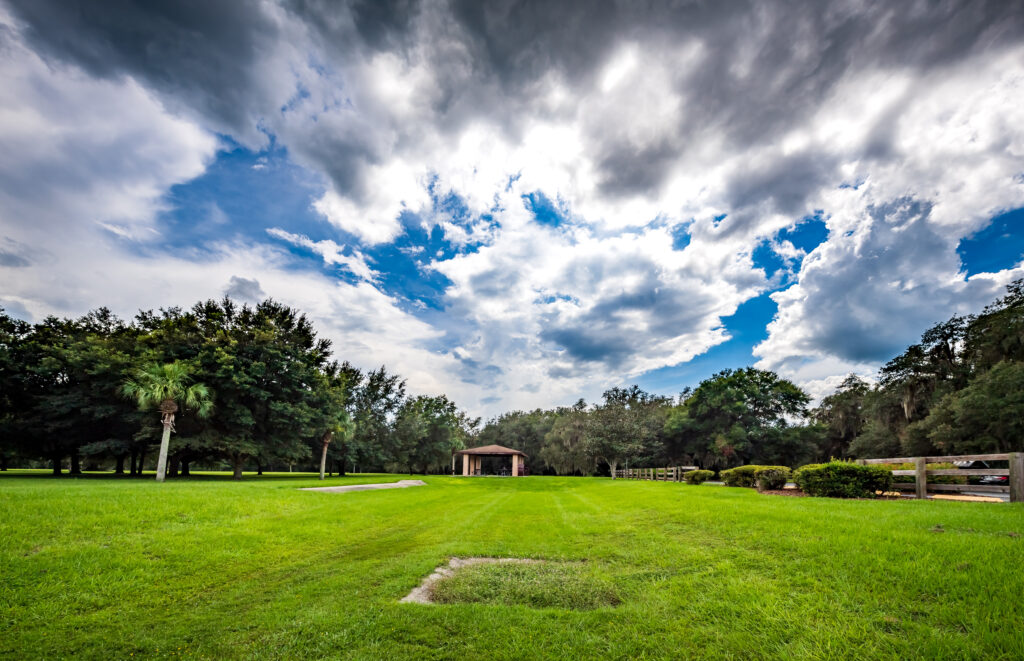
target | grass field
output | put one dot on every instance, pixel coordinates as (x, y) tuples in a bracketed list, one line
[(209, 568)]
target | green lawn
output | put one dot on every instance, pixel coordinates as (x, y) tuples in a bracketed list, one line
[(209, 568)]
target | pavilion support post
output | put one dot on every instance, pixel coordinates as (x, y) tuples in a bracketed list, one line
[(515, 465), (465, 464)]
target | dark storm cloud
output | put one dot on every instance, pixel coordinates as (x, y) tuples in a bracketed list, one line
[(793, 53), (380, 24), (764, 65), (199, 54), (12, 260), (14, 254), (602, 334), (780, 185), (244, 289)]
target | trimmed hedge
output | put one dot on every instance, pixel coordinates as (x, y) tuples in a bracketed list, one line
[(839, 479), (770, 478), (746, 476), (698, 476)]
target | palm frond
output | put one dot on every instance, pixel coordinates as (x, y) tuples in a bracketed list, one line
[(155, 383)]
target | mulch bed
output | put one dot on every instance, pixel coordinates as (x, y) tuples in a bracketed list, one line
[(800, 494), (784, 492)]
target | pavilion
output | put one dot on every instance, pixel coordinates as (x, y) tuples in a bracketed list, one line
[(471, 459)]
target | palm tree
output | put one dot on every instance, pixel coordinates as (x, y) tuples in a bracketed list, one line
[(163, 387)]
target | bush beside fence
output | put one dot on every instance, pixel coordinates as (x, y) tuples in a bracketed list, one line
[(840, 479)]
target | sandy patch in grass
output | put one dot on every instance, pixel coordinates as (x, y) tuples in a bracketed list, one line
[(424, 593), (401, 484)]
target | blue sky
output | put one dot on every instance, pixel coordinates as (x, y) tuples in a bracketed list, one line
[(516, 216)]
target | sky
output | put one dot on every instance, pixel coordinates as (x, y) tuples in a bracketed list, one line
[(519, 204)]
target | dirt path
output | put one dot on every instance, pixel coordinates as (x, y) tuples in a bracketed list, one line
[(401, 484)]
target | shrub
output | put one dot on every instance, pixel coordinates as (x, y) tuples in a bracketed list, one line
[(839, 479), (741, 476), (771, 477), (932, 479), (746, 476), (698, 476)]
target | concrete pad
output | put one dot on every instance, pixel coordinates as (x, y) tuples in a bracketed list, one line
[(401, 484)]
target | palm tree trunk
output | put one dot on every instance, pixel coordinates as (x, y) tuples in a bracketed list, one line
[(165, 442), (326, 438)]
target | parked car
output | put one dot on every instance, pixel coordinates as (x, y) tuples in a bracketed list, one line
[(998, 480)]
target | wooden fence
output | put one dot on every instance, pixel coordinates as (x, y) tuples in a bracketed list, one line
[(921, 487), (669, 474)]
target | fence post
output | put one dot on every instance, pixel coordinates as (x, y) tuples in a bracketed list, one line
[(921, 477), (1017, 477)]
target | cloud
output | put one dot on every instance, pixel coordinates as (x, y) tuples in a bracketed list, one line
[(900, 124), (84, 165), (890, 269), (14, 254), (331, 252), (579, 311), (243, 289), (96, 151)]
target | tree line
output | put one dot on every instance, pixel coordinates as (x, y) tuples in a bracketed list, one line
[(278, 399), (960, 390), (69, 390)]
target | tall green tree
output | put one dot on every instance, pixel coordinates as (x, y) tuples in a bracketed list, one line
[(168, 388), (625, 427), (427, 430), (843, 415), (564, 448), (376, 398), (335, 419), (987, 416), (742, 416), (264, 362), (521, 430), (15, 397)]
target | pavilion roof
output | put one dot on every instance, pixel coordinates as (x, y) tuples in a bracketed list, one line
[(496, 450)]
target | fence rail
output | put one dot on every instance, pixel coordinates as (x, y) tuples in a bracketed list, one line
[(921, 486), (668, 474)]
